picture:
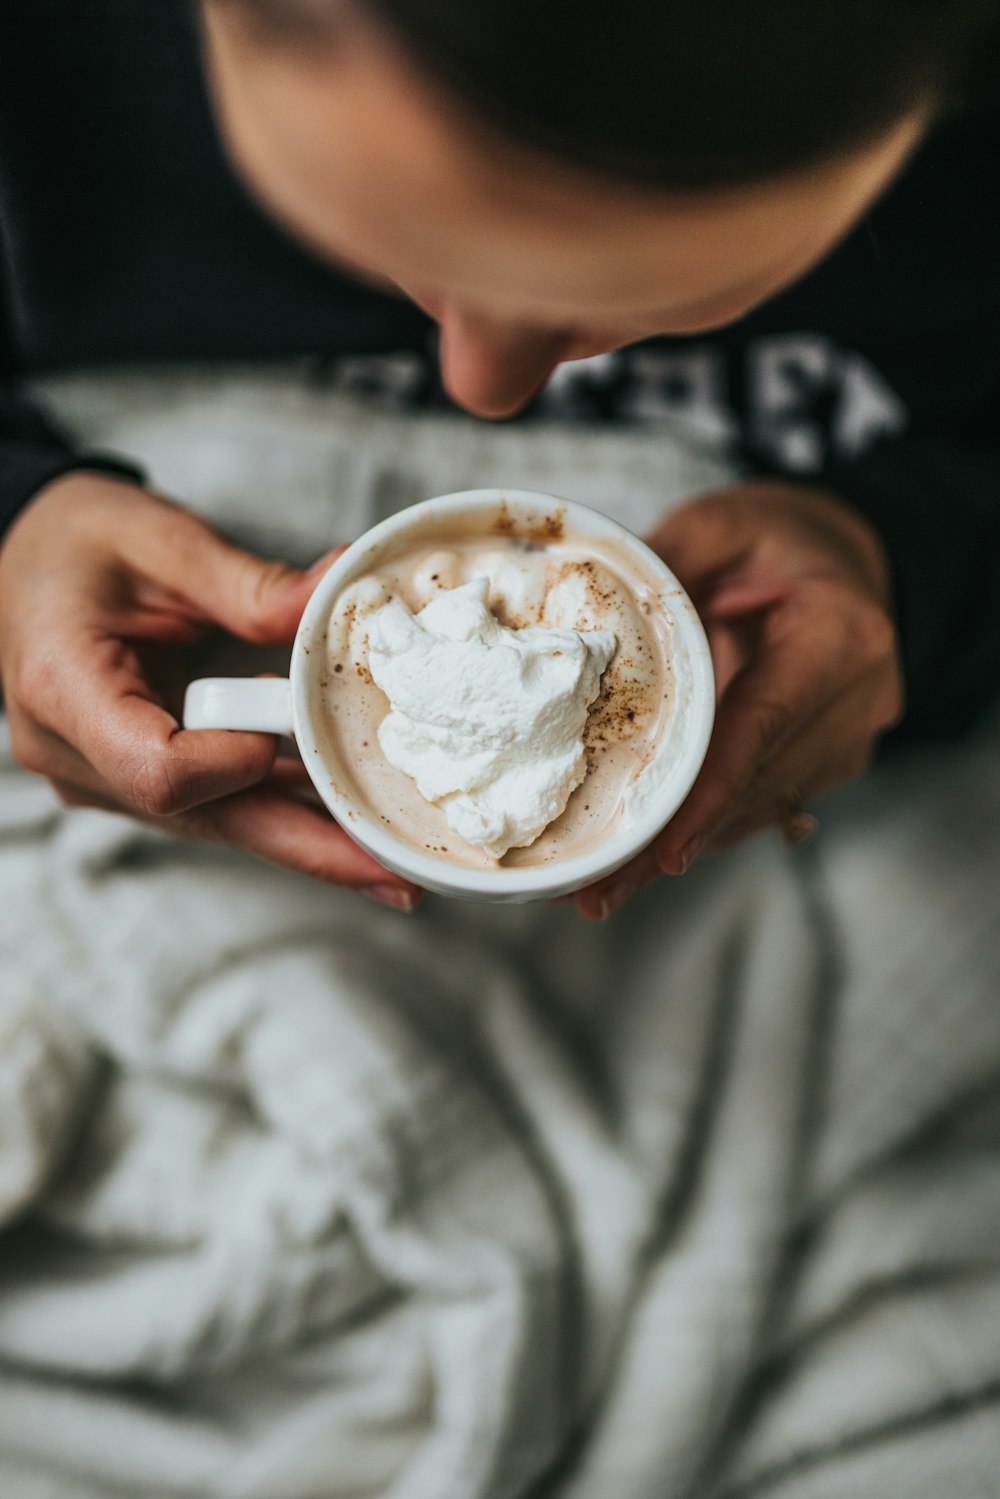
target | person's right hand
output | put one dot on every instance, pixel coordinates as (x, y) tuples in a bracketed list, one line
[(101, 586)]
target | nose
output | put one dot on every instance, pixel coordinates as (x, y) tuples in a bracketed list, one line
[(491, 367)]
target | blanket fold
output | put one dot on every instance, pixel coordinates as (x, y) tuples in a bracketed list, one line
[(301, 1199)]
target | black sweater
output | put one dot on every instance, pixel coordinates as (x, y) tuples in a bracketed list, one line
[(125, 237)]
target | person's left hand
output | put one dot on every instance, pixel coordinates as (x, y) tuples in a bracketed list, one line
[(793, 588)]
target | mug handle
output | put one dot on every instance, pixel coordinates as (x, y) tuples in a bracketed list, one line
[(260, 704)]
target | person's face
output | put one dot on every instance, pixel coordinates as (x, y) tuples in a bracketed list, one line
[(522, 262)]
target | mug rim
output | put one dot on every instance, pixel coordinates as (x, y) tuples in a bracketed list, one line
[(560, 876)]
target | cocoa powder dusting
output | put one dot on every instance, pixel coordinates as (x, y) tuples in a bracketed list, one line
[(504, 523), (547, 528), (622, 726)]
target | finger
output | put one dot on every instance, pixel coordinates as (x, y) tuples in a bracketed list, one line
[(814, 652), (763, 819), (796, 785), (268, 822), (100, 703), (599, 901), (258, 599), (274, 822), (732, 646), (835, 747), (159, 768), (761, 709), (77, 781), (289, 771), (770, 809), (307, 849), (95, 721), (73, 794), (797, 782), (830, 743), (703, 541), (45, 753), (766, 775)]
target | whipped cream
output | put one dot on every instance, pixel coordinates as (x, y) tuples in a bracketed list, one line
[(487, 720)]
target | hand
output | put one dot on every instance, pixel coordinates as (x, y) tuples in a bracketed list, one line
[(794, 591), (101, 587)]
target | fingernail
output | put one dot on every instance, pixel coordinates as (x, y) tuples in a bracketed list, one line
[(319, 567), (613, 898), (392, 895), (594, 910), (798, 829), (690, 852)]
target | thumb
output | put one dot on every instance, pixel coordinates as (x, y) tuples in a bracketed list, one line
[(260, 599), (703, 541), (256, 598)]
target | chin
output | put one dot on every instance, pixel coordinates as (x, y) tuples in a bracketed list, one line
[(711, 319)]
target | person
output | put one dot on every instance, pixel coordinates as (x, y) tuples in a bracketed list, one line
[(769, 224)]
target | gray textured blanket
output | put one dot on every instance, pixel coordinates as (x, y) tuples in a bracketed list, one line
[(300, 1198)]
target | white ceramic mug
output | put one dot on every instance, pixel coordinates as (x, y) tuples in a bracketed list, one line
[(293, 705)]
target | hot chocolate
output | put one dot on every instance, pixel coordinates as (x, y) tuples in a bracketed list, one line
[(568, 726)]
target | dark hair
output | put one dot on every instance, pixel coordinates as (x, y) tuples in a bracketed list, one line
[(683, 93)]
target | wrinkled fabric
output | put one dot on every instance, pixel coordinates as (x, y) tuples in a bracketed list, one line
[(299, 1197)]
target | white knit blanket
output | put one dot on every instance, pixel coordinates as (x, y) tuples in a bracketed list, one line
[(301, 1199)]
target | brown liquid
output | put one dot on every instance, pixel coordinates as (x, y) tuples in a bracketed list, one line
[(624, 726)]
